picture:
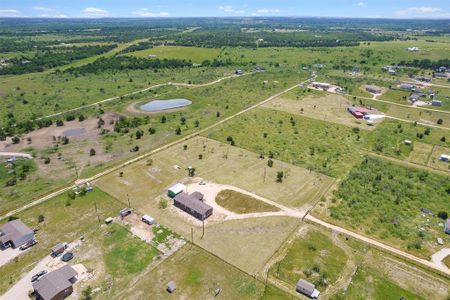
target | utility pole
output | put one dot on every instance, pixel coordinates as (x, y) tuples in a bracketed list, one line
[(203, 233), (264, 179), (192, 235), (128, 198), (96, 211)]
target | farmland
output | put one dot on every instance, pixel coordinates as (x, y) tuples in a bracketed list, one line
[(196, 55)]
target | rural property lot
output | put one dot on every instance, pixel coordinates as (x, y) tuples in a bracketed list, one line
[(194, 54)]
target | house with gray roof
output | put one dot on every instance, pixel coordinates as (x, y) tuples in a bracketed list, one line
[(15, 234), (56, 285), (193, 206)]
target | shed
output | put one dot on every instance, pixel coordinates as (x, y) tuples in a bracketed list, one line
[(175, 190), (192, 206), (148, 220), (436, 102), (58, 249), (15, 234), (171, 287), (307, 289), (407, 86), (407, 142), (108, 220), (56, 284), (125, 212)]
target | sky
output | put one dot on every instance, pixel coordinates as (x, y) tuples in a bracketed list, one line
[(430, 9)]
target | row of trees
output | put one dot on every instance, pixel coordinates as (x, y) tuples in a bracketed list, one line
[(50, 58), (426, 63)]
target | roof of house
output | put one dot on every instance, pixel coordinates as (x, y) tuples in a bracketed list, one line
[(197, 195), (192, 203), (306, 286), (54, 282), (14, 230)]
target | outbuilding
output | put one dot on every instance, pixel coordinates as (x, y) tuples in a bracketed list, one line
[(193, 206), (175, 190), (307, 288), (444, 157), (58, 249), (56, 285), (148, 220), (15, 234), (171, 287), (436, 102), (407, 86), (407, 142), (125, 212)]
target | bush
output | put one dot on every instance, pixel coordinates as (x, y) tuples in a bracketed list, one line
[(270, 163), (162, 203), (15, 140), (41, 218), (92, 152), (443, 215)]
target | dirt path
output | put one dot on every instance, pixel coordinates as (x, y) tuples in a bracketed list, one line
[(439, 256), (145, 155), (420, 123), (380, 245)]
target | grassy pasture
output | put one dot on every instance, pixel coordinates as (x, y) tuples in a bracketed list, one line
[(434, 161), (383, 200), (198, 274), (194, 54), (388, 138), (420, 153), (321, 146), (62, 223), (241, 203)]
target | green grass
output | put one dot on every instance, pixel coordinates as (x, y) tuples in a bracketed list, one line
[(388, 138), (194, 54), (370, 284), (242, 204), (62, 223), (313, 257), (383, 199), (124, 253), (317, 145)]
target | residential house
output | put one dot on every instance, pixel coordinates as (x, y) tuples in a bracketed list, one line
[(407, 86), (423, 78), (373, 89), (321, 85), (15, 234), (193, 206), (56, 285), (307, 288)]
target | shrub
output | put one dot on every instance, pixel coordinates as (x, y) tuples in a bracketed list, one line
[(162, 203), (443, 215)]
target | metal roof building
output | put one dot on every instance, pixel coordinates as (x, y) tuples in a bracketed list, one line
[(307, 289), (193, 206), (14, 234), (175, 190)]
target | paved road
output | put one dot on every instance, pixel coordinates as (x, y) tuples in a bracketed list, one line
[(380, 245), (19, 291), (140, 157)]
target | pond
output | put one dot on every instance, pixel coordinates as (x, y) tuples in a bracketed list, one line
[(159, 105), (74, 132)]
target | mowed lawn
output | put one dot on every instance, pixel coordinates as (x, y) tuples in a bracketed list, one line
[(316, 145), (197, 275), (241, 203), (194, 54)]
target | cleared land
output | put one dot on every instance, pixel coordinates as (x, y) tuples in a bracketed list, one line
[(194, 54), (316, 145), (434, 161), (384, 200), (242, 204), (327, 107)]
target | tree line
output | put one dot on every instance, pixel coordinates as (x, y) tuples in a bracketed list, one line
[(426, 63)]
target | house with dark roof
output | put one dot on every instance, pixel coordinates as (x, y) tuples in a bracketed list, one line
[(307, 288), (15, 234), (373, 89), (193, 206), (56, 285)]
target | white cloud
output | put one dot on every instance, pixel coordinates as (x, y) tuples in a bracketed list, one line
[(9, 13), (424, 12), (231, 9), (144, 12), (94, 12), (361, 3), (43, 9), (55, 16), (265, 11)]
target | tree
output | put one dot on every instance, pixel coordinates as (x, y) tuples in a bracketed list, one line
[(92, 152), (65, 140), (440, 121), (139, 134), (87, 293), (151, 130), (163, 119), (11, 182), (185, 147), (443, 215), (443, 139), (217, 114), (135, 149), (197, 123), (178, 131), (41, 218), (427, 131), (280, 175), (183, 120), (15, 140), (191, 172), (100, 122), (59, 123), (81, 118), (71, 194), (46, 160), (162, 203), (270, 163), (200, 156)]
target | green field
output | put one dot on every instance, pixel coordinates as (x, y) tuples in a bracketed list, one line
[(194, 54), (384, 200), (241, 203), (320, 146)]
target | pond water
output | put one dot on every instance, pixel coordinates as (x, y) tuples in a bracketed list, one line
[(158, 105), (74, 132)]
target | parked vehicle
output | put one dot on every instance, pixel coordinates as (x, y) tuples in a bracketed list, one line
[(37, 276), (66, 257), (28, 245)]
